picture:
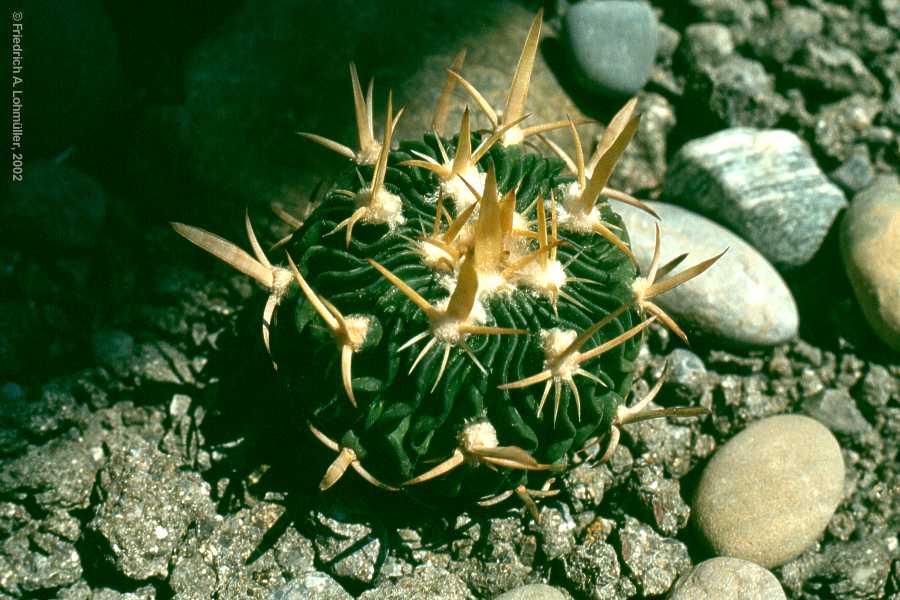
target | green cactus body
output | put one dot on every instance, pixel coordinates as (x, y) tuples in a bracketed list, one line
[(468, 317), (402, 424)]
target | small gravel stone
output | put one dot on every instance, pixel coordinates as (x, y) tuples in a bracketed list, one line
[(837, 410), (557, 532), (688, 379), (764, 185), (856, 172), (661, 498), (791, 28), (725, 578), (878, 386), (426, 583), (707, 44), (740, 300), (769, 492), (643, 164), (593, 570), (737, 92), (841, 125), (656, 562), (348, 549), (534, 591), (823, 65), (612, 44), (147, 505), (869, 246), (217, 557), (312, 586)]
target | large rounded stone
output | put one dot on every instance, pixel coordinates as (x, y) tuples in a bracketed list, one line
[(870, 246), (768, 494), (740, 300), (612, 44), (725, 578)]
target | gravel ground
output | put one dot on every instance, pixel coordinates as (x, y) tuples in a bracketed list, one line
[(146, 452)]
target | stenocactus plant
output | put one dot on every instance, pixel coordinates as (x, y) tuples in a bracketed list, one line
[(457, 314)]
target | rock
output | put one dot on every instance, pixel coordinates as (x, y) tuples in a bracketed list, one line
[(738, 15), (840, 125), (426, 583), (147, 507), (724, 578), (612, 45), (534, 591), (656, 562), (113, 348), (707, 44), (687, 378), (822, 65), (661, 498), (33, 561), (350, 549), (870, 243), (878, 386), (788, 31), (769, 492), (557, 531), (856, 172), (218, 558), (837, 410), (857, 569), (498, 555), (593, 570), (764, 185), (312, 585), (58, 475), (54, 206), (737, 92), (741, 300)]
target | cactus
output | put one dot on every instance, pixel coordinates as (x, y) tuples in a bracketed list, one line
[(458, 316)]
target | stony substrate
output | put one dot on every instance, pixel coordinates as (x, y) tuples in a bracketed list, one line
[(146, 456)]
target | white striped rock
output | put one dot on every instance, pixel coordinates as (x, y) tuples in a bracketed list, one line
[(762, 184)]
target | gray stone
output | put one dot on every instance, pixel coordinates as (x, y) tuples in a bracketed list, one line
[(612, 45), (687, 378), (426, 583), (856, 172), (655, 561), (147, 506), (58, 475), (764, 185), (54, 206), (878, 386), (856, 570), (769, 492), (593, 570), (217, 557), (841, 125), (557, 531), (707, 44), (660, 498), (739, 15), (312, 586), (534, 591), (349, 549), (741, 300), (31, 558), (837, 410), (788, 31), (737, 92), (498, 555), (643, 164), (824, 65), (870, 244), (724, 578)]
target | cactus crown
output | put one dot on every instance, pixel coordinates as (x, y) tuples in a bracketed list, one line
[(447, 287)]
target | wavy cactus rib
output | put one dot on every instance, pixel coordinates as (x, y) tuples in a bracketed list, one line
[(469, 271)]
